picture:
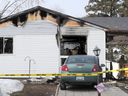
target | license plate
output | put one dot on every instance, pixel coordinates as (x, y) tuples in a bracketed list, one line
[(79, 78)]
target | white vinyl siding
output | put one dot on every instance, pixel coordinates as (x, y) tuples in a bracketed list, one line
[(34, 41), (95, 38), (37, 40)]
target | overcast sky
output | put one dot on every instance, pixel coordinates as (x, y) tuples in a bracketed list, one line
[(71, 7)]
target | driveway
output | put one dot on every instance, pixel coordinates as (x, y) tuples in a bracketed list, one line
[(88, 91)]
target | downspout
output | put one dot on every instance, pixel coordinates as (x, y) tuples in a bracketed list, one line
[(59, 45)]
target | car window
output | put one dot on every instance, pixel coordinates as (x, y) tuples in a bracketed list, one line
[(81, 59)]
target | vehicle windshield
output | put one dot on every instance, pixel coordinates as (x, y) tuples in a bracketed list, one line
[(81, 59)]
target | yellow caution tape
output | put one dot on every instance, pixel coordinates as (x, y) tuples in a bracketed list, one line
[(65, 74)]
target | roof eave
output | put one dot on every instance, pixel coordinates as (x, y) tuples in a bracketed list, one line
[(81, 21)]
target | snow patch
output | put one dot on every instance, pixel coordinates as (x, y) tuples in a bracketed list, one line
[(8, 86)]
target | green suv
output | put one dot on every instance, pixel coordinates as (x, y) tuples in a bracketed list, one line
[(79, 64)]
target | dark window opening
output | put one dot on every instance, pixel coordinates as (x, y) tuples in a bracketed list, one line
[(6, 45), (1, 45), (62, 60), (73, 45)]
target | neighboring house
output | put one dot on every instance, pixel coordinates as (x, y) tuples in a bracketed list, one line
[(115, 25), (116, 36), (44, 35), (117, 30)]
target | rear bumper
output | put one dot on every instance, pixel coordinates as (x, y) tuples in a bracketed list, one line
[(88, 80)]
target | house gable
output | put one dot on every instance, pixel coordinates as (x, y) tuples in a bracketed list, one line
[(41, 13)]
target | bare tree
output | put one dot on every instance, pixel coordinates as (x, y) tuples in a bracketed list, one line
[(6, 5), (13, 6), (32, 3)]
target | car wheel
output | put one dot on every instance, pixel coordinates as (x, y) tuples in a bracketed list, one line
[(62, 86)]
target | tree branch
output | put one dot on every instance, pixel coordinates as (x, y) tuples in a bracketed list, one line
[(8, 6), (17, 7)]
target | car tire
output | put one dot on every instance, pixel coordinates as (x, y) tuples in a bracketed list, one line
[(62, 86)]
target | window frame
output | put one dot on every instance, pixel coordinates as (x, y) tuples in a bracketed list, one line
[(3, 46)]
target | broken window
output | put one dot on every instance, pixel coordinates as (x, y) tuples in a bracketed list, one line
[(73, 45), (6, 45)]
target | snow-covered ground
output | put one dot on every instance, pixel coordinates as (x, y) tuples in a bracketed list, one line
[(8, 86)]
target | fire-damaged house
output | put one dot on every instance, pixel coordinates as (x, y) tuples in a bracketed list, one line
[(45, 37)]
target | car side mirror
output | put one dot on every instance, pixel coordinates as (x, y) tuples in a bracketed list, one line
[(102, 65)]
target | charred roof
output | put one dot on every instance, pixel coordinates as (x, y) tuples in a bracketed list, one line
[(60, 18)]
